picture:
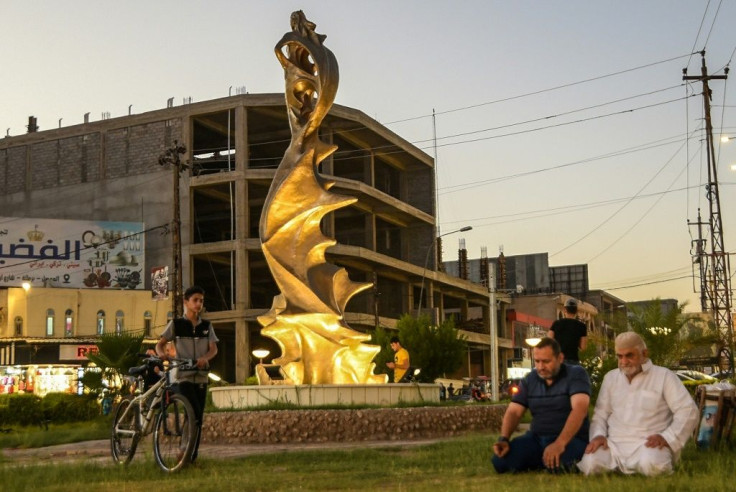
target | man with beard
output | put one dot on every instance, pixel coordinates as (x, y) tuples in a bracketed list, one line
[(643, 416), (557, 395)]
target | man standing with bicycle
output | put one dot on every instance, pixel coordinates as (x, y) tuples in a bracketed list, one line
[(193, 338)]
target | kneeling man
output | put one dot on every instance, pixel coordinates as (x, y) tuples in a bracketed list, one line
[(643, 416), (557, 394)]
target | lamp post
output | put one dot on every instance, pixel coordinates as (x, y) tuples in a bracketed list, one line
[(426, 262), (535, 336), (493, 321), (260, 354)]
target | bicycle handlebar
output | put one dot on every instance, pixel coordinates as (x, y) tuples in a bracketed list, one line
[(175, 362)]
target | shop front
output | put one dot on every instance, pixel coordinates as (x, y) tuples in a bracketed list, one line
[(40, 379), (40, 367)]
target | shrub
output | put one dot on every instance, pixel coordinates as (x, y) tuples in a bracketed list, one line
[(66, 407), (20, 409), (692, 386)]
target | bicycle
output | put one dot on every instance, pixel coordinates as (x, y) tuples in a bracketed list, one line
[(158, 409)]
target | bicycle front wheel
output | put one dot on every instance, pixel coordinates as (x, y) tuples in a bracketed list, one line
[(175, 435), (125, 432)]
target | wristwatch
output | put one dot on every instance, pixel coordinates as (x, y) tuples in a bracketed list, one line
[(503, 439)]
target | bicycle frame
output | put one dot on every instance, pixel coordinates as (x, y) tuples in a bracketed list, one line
[(146, 413)]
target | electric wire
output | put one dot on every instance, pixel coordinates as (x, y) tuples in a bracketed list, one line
[(638, 148), (542, 91), (609, 218), (631, 228), (697, 36), (646, 283), (543, 118), (713, 24), (555, 211)]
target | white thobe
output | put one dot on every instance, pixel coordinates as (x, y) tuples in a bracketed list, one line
[(626, 413)]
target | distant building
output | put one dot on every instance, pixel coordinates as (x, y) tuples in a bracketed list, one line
[(46, 333)]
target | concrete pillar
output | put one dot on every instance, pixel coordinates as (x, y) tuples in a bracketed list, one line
[(242, 351)]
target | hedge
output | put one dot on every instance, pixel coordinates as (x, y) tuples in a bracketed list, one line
[(29, 409), (20, 409)]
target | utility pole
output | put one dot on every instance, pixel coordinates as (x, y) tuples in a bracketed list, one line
[(172, 157), (697, 251), (719, 292)]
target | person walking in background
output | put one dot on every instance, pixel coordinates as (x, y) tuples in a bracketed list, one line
[(193, 338), (570, 333), (401, 359)]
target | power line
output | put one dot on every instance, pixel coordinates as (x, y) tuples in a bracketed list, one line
[(712, 25), (547, 212), (652, 145), (646, 283), (656, 202), (610, 217), (543, 118), (542, 91), (700, 28)]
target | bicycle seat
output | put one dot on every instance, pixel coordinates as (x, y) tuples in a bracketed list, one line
[(138, 370)]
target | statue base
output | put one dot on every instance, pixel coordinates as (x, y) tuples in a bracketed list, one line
[(312, 395)]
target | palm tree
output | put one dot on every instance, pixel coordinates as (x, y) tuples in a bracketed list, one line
[(117, 353)]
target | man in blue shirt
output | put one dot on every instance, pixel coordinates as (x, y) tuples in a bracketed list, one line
[(557, 394)]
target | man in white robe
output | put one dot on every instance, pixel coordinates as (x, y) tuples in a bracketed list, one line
[(643, 416)]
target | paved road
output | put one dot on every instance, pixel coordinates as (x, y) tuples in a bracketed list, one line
[(99, 451)]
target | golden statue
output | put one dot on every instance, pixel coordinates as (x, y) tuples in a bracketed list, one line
[(306, 318)]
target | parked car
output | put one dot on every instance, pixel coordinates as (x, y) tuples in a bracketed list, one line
[(687, 375)]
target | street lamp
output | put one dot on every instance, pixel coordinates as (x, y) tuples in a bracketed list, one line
[(535, 336), (426, 262), (260, 354)]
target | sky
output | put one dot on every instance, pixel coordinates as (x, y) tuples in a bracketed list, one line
[(561, 127)]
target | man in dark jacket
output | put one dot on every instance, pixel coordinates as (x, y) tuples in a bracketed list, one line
[(570, 333)]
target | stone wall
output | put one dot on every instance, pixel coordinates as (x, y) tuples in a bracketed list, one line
[(379, 424)]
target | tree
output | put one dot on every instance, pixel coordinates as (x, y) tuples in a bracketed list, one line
[(663, 332), (437, 350), (117, 353)]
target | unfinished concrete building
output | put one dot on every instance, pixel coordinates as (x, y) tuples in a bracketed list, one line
[(108, 170)]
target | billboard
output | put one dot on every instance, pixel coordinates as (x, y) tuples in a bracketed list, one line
[(71, 253)]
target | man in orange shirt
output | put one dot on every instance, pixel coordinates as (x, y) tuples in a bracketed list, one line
[(401, 360)]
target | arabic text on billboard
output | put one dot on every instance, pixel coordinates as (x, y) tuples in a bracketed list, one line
[(71, 253)]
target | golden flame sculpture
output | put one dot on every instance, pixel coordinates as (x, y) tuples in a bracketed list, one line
[(306, 318)]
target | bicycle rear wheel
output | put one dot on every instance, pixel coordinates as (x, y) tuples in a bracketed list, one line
[(125, 432), (175, 435)]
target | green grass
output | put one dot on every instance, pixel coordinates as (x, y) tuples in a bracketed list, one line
[(459, 464), (34, 436)]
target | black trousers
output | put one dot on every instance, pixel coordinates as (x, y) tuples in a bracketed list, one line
[(196, 393)]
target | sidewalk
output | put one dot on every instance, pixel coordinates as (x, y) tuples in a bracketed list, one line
[(99, 451)]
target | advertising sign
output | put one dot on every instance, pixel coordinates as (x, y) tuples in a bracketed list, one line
[(76, 352), (160, 283), (71, 253)]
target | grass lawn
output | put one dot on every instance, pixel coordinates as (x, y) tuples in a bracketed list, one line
[(34, 437), (456, 465)]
